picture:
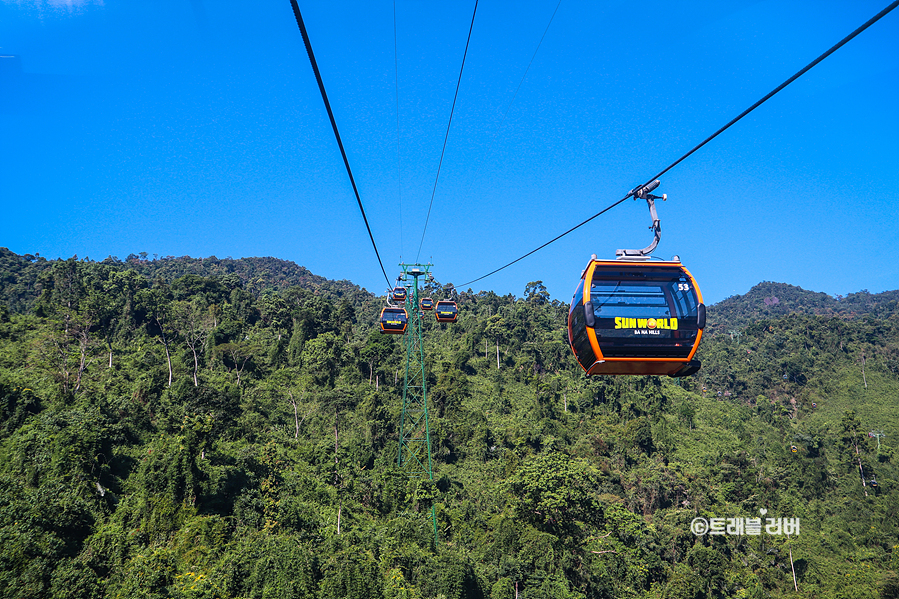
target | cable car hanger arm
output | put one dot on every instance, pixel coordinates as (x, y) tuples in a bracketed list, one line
[(643, 193)]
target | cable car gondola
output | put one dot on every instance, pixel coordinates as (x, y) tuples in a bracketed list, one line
[(633, 316), (636, 318), (426, 303), (446, 311), (398, 294), (393, 321)]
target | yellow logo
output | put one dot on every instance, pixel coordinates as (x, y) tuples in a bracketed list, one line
[(669, 324)]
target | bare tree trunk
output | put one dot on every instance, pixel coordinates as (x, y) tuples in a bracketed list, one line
[(239, 366), (196, 366), (165, 344), (82, 361), (336, 475), (168, 357), (795, 586), (296, 434), (335, 448), (497, 354), (861, 470), (863, 371), (62, 351)]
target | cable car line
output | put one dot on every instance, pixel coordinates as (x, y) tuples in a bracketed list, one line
[(799, 74), (346, 162), (448, 125), (533, 56), (515, 95), (399, 170), (767, 97), (577, 226)]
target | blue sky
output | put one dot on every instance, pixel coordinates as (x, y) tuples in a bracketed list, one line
[(196, 128)]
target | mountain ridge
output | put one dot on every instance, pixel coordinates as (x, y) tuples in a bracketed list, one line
[(20, 275), (773, 300), (767, 299)]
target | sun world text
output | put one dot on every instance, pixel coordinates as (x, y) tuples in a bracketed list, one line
[(646, 323)]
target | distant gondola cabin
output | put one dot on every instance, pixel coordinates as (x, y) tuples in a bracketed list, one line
[(632, 318), (393, 321), (426, 303), (446, 311), (398, 294)]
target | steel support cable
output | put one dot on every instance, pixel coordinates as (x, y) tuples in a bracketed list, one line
[(448, 125), (346, 162), (554, 239), (399, 170), (768, 96), (515, 95)]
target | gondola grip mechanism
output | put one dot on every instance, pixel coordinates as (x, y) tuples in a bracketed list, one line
[(642, 192), (656, 227)]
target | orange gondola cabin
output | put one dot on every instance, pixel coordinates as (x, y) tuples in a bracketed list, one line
[(393, 321), (636, 317), (398, 294), (426, 303), (446, 311)]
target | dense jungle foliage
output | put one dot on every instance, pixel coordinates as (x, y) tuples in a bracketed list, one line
[(228, 428)]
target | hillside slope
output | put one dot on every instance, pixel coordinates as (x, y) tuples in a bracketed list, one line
[(193, 437), (20, 275), (771, 300)]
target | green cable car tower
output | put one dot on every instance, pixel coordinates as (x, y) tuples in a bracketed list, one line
[(414, 455)]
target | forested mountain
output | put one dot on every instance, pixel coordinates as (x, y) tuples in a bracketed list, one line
[(20, 286), (171, 431), (769, 300)]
